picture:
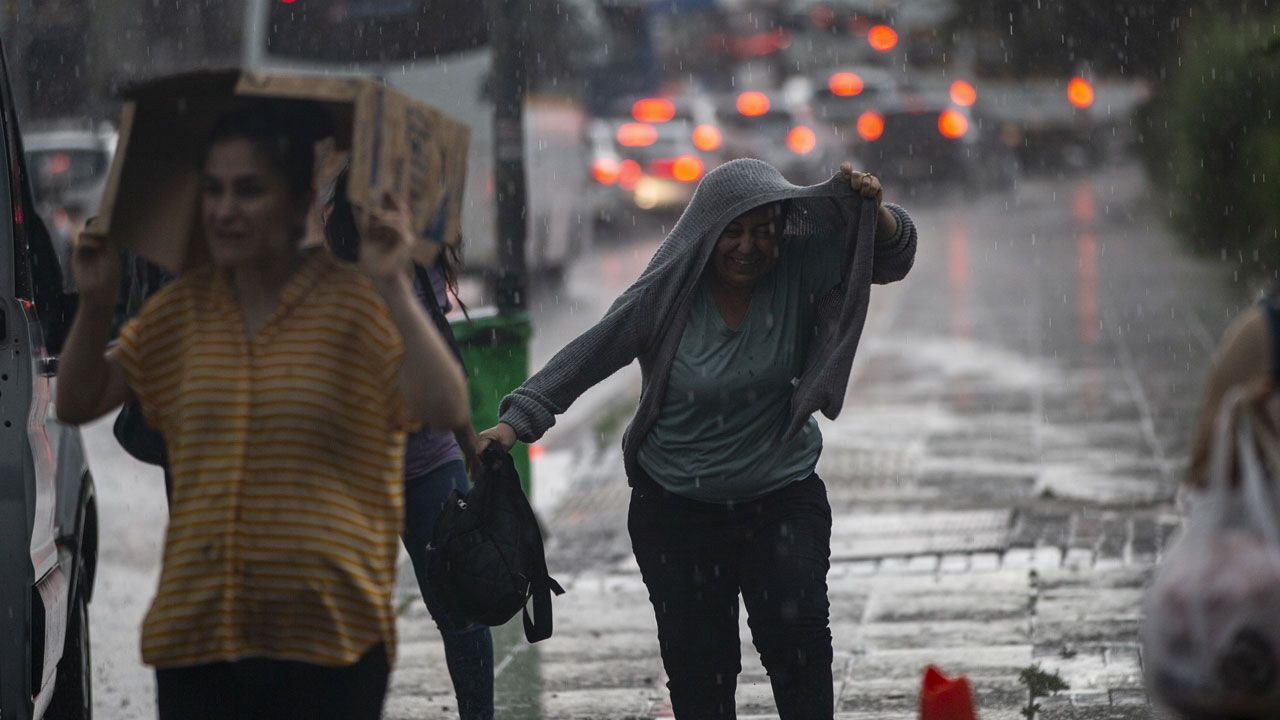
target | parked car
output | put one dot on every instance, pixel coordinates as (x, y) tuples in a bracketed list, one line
[(48, 511), (642, 167), (913, 139), (781, 130), (68, 164)]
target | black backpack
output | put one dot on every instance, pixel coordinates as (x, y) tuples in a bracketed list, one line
[(485, 559)]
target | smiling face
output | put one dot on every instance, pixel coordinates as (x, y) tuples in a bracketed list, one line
[(747, 249), (246, 208)]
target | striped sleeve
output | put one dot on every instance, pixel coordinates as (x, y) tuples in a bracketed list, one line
[(381, 338), (131, 354)]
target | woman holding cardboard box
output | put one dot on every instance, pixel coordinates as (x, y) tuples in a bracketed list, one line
[(275, 374)]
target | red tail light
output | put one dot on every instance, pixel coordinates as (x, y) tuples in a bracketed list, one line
[(845, 84), (801, 140), (1080, 92), (963, 94), (753, 104), (606, 172), (707, 138), (870, 125), (685, 168), (952, 124), (629, 174), (882, 38), (653, 110), (59, 163), (637, 135)]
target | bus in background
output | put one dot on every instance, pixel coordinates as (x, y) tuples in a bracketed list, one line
[(439, 52)]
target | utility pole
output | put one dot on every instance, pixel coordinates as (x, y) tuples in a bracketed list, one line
[(510, 82), (495, 348)]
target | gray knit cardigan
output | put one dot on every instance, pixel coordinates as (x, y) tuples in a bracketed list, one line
[(649, 318)]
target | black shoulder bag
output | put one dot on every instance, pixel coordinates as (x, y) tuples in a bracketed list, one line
[(486, 558)]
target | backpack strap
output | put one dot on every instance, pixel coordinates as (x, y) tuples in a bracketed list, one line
[(1271, 306), (538, 627)]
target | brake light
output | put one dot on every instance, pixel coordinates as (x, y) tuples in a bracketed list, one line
[(653, 110), (59, 163), (801, 140), (707, 138), (637, 134), (845, 84), (629, 174), (870, 125), (952, 124), (753, 104), (882, 38), (686, 168), (1080, 92), (606, 172), (963, 94)]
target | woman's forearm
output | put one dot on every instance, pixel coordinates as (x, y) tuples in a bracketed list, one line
[(83, 370), (431, 379)]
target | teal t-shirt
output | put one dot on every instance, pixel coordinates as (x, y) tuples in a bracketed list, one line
[(719, 435)]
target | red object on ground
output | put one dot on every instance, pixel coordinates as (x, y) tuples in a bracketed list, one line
[(944, 698)]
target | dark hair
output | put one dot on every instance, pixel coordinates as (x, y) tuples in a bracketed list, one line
[(343, 237), (284, 131)]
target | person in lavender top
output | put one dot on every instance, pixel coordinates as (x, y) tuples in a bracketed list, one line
[(434, 465)]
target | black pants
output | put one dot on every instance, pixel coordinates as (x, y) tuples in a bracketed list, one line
[(697, 557), (275, 689)]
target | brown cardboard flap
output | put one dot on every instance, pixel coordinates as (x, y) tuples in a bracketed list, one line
[(397, 145)]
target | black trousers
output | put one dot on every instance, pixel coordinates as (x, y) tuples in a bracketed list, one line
[(696, 558), (257, 688)]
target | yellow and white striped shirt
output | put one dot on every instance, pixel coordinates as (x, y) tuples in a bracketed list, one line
[(286, 452)]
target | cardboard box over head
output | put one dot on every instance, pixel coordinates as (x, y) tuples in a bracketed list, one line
[(396, 145)]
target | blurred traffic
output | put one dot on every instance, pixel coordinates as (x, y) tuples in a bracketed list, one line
[(632, 102), (806, 85)]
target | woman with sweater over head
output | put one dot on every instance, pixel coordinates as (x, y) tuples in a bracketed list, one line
[(275, 376), (745, 322), (433, 466)]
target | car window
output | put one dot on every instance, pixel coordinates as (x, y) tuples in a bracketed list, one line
[(55, 170)]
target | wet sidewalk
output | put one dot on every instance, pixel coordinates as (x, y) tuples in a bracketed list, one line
[(1001, 478)]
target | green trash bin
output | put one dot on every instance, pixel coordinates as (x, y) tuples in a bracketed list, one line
[(495, 349)]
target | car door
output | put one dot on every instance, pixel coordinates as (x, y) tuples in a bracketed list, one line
[(33, 585)]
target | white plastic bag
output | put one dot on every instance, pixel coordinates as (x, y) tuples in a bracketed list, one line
[(1211, 628)]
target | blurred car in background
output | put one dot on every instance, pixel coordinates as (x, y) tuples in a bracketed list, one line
[(68, 164), (694, 110), (916, 139), (841, 94), (649, 155), (642, 167), (781, 130)]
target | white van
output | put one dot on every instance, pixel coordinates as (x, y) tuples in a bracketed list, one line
[(48, 515)]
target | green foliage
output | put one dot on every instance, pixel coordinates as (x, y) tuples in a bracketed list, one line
[(1212, 139), (1039, 684)]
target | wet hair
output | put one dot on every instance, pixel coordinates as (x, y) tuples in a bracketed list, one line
[(342, 234), (284, 132)]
